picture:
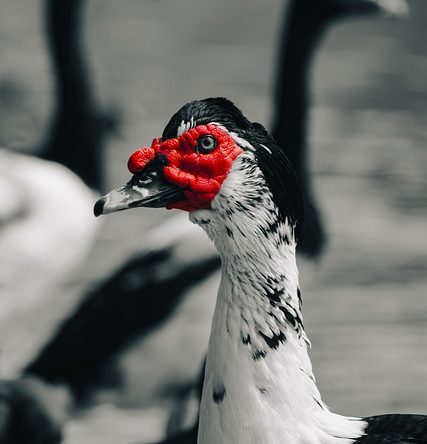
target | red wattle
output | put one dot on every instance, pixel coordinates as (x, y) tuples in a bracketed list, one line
[(140, 159)]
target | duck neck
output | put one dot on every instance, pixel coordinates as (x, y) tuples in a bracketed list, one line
[(259, 385)]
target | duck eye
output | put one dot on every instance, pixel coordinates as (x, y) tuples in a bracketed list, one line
[(205, 144)]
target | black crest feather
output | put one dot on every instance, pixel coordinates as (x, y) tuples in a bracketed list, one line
[(212, 109)]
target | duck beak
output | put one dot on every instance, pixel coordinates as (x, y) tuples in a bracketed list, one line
[(145, 189)]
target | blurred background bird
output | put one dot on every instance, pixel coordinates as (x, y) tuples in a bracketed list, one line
[(366, 123)]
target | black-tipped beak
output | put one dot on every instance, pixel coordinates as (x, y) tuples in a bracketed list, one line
[(147, 189)]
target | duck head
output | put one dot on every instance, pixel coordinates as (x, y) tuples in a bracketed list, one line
[(210, 157)]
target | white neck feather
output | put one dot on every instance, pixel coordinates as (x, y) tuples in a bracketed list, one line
[(259, 386)]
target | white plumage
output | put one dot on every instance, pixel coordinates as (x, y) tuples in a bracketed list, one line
[(46, 230), (273, 398)]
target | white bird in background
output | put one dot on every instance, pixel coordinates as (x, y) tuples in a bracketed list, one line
[(46, 231), (46, 227)]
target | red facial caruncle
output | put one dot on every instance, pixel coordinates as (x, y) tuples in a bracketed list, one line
[(197, 161)]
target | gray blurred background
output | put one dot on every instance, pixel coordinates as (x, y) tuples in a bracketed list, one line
[(365, 299)]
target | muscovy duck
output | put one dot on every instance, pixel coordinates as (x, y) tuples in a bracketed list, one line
[(239, 186), (304, 25)]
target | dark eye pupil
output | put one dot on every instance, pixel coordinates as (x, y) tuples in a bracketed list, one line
[(206, 144)]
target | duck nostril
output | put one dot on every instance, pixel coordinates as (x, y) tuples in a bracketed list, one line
[(99, 207)]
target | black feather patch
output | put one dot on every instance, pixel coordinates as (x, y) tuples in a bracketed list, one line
[(292, 317), (280, 177), (246, 339), (275, 296), (274, 341), (229, 232), (395, 429), (259, 354), (219, 394)]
